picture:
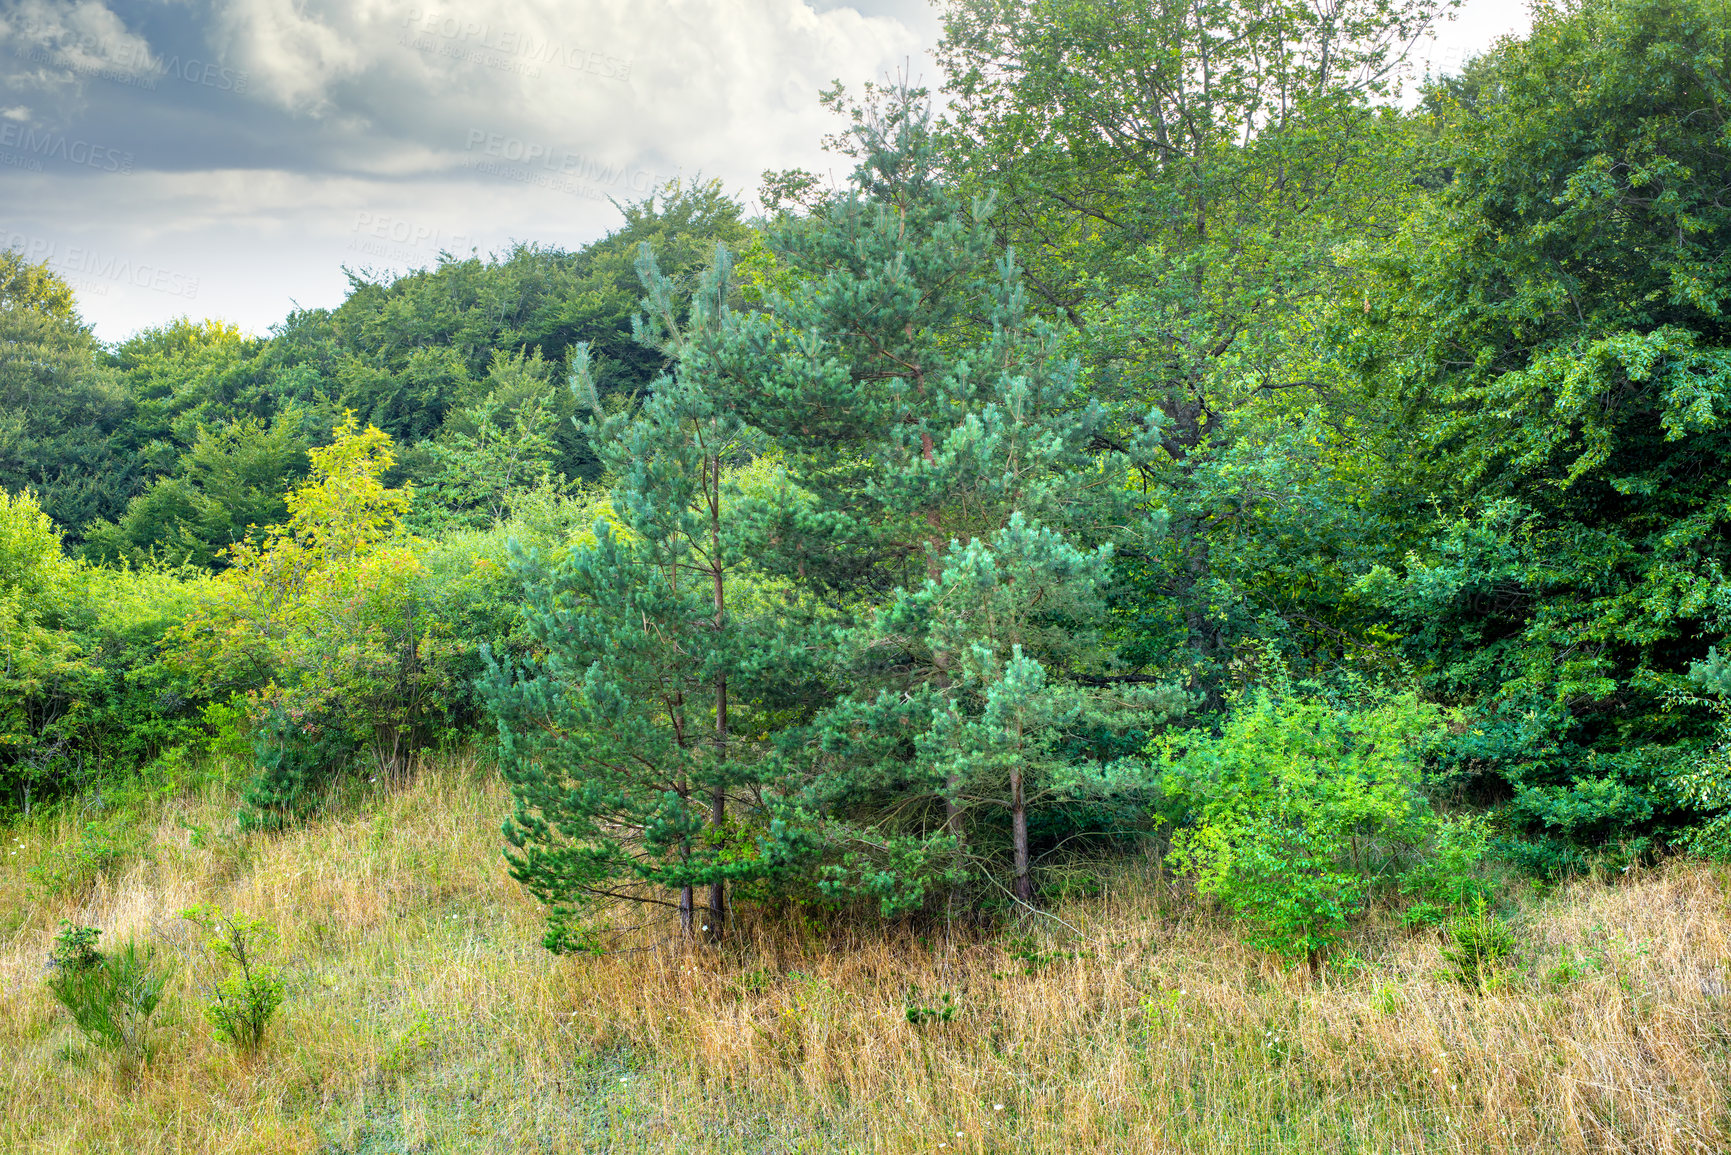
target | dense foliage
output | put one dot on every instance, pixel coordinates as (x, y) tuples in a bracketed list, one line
[(1177, 446), (1574, 359)]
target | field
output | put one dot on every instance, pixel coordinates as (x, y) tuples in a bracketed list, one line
[(422, 1015)]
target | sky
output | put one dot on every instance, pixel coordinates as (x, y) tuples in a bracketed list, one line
[(228, 158)]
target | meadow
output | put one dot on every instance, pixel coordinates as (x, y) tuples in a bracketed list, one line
[(422, 1015)]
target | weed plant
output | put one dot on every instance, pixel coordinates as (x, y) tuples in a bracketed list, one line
[(111, 997)]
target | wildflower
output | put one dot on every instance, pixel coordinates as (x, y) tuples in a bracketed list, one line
[(997, 1106)]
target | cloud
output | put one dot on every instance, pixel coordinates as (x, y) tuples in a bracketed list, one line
[(85, 32), (258, 132), (370, 86)]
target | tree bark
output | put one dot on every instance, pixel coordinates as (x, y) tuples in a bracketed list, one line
[(1019, 835), (718, 793), (718, 804)]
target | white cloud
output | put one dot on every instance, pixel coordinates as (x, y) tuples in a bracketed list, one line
[(378, 131), (373, 133), (294, 53), (85, 30), (700, 84)]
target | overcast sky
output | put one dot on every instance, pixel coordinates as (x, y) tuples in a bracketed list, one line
[(227, 157)]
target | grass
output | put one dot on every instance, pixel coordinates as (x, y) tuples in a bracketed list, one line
[(422, 1015)]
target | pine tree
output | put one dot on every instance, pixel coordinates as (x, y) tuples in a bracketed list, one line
[(618, 735), (926, 566), (957, 470)]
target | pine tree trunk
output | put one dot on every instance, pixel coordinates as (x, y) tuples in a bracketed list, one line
[(1019, 835), (718, 794), (685, 905), (718, 805), (717, 894)]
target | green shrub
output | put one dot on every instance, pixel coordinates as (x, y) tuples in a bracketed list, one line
[(247, 992), (1479, 948), (84, 684), (941, 1010), (1704, 784), (1448, 875), (1298, 807), (321, 626), (136, 705), (37, 592), (296, 757), (110, 996)]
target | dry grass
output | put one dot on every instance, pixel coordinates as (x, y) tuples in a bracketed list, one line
[(423, 1016)]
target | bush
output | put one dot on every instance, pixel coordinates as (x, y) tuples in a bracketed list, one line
[(1480, 946), (103, 846), (135, 706), (1297, 807), (111, 997), (37, 586), (322, 626), (1448, 874), (296, 758), (84, 684), (1705, 783), (246, 994)]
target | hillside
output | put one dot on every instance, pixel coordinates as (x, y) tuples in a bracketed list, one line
[(421, 1015), (1178, 600)]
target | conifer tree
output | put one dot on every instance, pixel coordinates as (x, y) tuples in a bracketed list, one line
[(959, 482), (618, 736), (943, 494)]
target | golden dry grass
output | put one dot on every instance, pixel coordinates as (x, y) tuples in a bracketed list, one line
[(422, 1015)]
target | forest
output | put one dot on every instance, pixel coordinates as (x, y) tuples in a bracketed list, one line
[(1182, 552)]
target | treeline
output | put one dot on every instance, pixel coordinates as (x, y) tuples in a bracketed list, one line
[(170, 444), (1172, 444)]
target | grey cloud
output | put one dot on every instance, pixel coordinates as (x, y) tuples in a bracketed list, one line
[(259, 131), (328, 85)]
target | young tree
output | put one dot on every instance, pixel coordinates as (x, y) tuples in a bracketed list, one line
[(316, 620), (1015, 618), (957, 478), (621, 736)]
